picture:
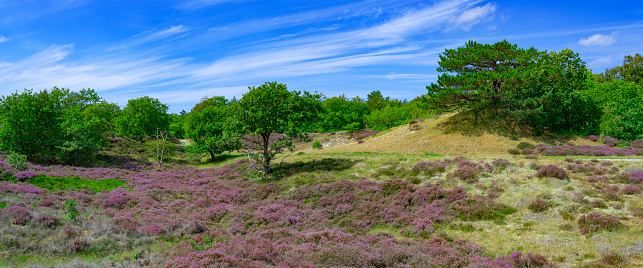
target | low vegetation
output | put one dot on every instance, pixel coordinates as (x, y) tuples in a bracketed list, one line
[(284, 178)]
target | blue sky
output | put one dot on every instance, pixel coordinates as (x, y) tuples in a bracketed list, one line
[(181, 51)]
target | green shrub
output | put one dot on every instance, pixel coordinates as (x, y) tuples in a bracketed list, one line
[(71, 213), (316, 144), (524, 145), (17, 161)]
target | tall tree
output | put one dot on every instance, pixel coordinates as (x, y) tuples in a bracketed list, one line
[(630, 71), (517, 87), (269, 118), (207, 127), (51, 125), (141, 117)]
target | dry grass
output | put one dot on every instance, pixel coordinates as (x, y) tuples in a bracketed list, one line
[(434, 138)]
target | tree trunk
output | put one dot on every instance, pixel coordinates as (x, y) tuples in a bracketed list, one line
[(212, 156), (266, 154)]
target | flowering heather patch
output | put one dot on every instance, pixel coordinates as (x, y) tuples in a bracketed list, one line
[(609, 141), (551, 171), (637, 143), (631, 189), (587, 150), (594, 222), (500, 163), (428, 168), (469, 171), (539, 205), (25, 175), (364, 133)]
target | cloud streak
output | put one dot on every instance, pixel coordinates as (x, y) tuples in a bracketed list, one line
[(598, 40)]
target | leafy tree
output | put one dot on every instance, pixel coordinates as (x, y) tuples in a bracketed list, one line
[(552, 98), (141, 117), (630, 71), (31, 123), (50, 125), (484, 76), (106, 114), (517, 87), (177, 125), (207, 127), (269, 116), (389, 116), (343, 114), (621, 105), (376, 101)]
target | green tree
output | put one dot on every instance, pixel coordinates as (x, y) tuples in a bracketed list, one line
[(376, 101), (141, 117), (207, 127), (630, 71), (517, 87), (621, 104), (269, 116), (50, 125), (343, 114)]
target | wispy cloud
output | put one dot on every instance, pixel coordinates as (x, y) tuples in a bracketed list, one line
[(128, 69), (472, 16), (600, 62), (598, 40), (151, 36), (3, 39), (394, 76), (194, 4)]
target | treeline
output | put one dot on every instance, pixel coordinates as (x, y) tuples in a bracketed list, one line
[(523, 90), (540, 92)]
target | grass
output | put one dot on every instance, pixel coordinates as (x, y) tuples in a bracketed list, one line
[(64, 183)]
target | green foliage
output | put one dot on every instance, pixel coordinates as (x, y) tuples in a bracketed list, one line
[(71, 213), (207, 126), (17, 161), (621, 105), (68, 183), (50, 125), (209, 242), (177, 126), (170, 148), (375, 101), (316, 144), (272, 108), (518, 87), (622, 120), (389, 116), (343, 114), (630, 71), (141, 117)]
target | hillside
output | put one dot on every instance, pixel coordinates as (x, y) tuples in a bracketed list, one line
[(431, 137)]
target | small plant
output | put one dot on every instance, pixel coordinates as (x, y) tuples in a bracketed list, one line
[(594, 222), (551, 171), (17, 161), (539, 205), (209, 242), (317, 144), (71, 213), (613, 258), (524, 145)]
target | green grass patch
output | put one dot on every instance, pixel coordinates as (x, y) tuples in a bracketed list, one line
[(65, 183)]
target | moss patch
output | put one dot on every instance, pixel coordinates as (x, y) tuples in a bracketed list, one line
[(64, 183)]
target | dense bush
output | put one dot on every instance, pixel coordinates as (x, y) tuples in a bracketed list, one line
[(594, 222), (551, 171)]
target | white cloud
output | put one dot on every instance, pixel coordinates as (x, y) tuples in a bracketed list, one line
[(472, 16), (194, 4), (600, 62), (148, 36), (598, 40), (393, 76), (3, 39)]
